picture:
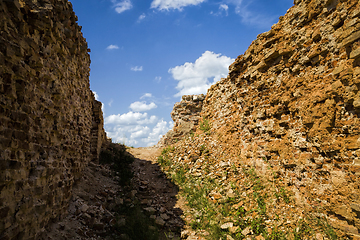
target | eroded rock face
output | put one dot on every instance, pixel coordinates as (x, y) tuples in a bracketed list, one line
[(186, 116), (50, 123), (293, 100)]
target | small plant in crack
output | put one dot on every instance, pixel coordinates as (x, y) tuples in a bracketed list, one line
[(205, 125)]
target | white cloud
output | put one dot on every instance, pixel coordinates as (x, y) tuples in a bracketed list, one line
[(173, 4), (112, 47), (137, 68), (98, 99), (158, 79), (250, 17), (122, 5), (136, 129), (194, 77), (130, 118), (142, 106), (96, 96), (146, 95), (171, 125), (224, 7), (141, 17), (150, 120), (161, 128), (111, 102), (142, 133)]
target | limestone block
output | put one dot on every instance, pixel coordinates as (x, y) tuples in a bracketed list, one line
[(350, 39), (311, 118), (355, 53), (356, 102), (271, 55)]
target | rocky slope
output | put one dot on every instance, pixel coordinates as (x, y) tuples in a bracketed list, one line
[(186, 116), (110, 203), (291, 106)]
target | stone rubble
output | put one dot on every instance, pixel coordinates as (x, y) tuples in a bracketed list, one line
[(92, 212), (289, 109), (156, 193), (186, 116), (291, 106), (231, 183)]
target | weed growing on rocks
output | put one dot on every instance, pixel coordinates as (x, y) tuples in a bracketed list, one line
[(229, 200), (205, 125)]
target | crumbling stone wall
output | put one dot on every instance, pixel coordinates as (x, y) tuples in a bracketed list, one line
[(292, 101), (50, 123), (98, 135), (186, 116)]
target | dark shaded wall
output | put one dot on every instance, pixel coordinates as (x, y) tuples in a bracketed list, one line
[(50, 124)]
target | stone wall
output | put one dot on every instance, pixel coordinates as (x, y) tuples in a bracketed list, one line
[(50, 123), (186, 116), (292, 101), (98, 135)]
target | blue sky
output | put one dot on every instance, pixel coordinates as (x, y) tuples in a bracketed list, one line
[(146, 54)]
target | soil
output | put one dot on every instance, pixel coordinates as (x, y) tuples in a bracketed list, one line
[(155, 191), (97, 196)]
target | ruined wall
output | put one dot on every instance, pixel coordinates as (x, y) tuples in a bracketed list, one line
[(186, 116), (49, 118), (292, 101), (98, 135)]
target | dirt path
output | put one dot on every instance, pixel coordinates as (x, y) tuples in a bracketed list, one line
[(148, 153), (101, 209), (156, 193)]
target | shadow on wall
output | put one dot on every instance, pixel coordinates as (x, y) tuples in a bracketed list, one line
[(48, 127), (145, 205)]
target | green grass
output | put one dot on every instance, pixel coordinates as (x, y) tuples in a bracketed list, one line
[(164, 159), (302, 230), (205, 125), (208, 215), (204, 151), (283, 194)]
